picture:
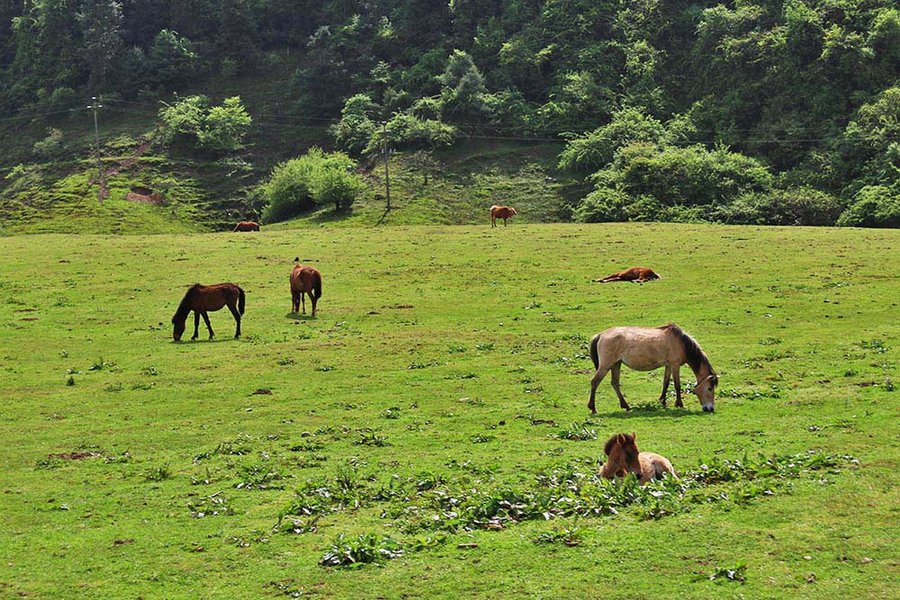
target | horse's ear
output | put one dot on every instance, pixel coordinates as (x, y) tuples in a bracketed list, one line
[(633, 436)]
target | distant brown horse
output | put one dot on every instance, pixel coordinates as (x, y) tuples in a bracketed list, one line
[(634, 274), (649, 348), (623, 457), (203, 298), (501, 212), (247, 226), (305, 280)]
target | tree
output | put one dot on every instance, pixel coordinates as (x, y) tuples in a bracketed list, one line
[(101, 30)]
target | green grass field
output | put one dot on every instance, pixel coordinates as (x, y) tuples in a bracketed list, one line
[(429, 404)]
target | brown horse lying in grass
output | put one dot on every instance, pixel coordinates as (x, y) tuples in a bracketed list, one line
[(305, 280), (501, 212), (649, 348), (247, 226), (623, 458), (204, 298), (634, 274)]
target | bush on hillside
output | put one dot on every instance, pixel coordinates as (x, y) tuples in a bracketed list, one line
[(873, 206), (795, 206), (193, 122), (691, 176), (316, 178), (51, 145), (594, 150)]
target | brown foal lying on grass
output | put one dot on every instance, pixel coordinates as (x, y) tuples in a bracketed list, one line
[(623, 457)]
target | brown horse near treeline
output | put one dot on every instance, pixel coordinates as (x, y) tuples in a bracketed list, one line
[(247, 226), (649, 348), (623, 457), (305, 280), (634, 274), (501, 212), (204, 298)]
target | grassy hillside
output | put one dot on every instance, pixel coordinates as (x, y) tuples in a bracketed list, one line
[(58, 193), (446, 362)]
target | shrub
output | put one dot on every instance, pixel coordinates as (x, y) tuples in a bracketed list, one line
[(603, 205), (50, 145), (795, 206), (692, 176), (314, 178), (593, 150), (217, 128), (873, 206)]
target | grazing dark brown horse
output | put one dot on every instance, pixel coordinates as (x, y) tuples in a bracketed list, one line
[(623, 457), (501, 212), (305, 280), (203, 298), (649, 348), (247, 226), (634, 274)]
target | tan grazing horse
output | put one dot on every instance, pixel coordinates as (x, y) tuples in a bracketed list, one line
[(649, 348), (501, 212), (305, 280), (623, 457), (634, 274), (204, 298), (247, 226)]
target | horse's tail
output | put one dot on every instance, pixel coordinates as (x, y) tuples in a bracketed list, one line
[(240, 300), (595, 356), (317, 285)]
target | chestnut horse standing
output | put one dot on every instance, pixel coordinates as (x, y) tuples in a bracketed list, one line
[(649, 348), (501, 212), (634, 274), (305, 280), (247, 226), (623, 458), (203, 298)]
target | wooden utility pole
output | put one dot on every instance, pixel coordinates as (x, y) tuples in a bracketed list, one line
[(387, 173), (95, 107)]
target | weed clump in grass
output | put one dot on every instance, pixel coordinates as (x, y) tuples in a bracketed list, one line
[(370, 438), (361, 550), (737, 573), (577, 432), (158, 474)]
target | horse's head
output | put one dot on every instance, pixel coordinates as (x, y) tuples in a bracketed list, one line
[(177, 328), (705, 389), (623, 453)]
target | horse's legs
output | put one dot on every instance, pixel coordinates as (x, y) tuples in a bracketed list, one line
[(662, 397), (295, 302), (208, 326), (237, 319), (196, 324), (303, 300), (313, 299), (493, 221), (504, 222), (676, 376), (616, 368), (595, 381)]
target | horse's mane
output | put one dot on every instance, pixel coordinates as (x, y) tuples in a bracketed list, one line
[(185, 306), (696, 358)]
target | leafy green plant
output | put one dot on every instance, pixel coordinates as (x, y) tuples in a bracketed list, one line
[(355, 552)]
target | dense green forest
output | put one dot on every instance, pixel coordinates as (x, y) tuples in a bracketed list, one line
[(755, 111)]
